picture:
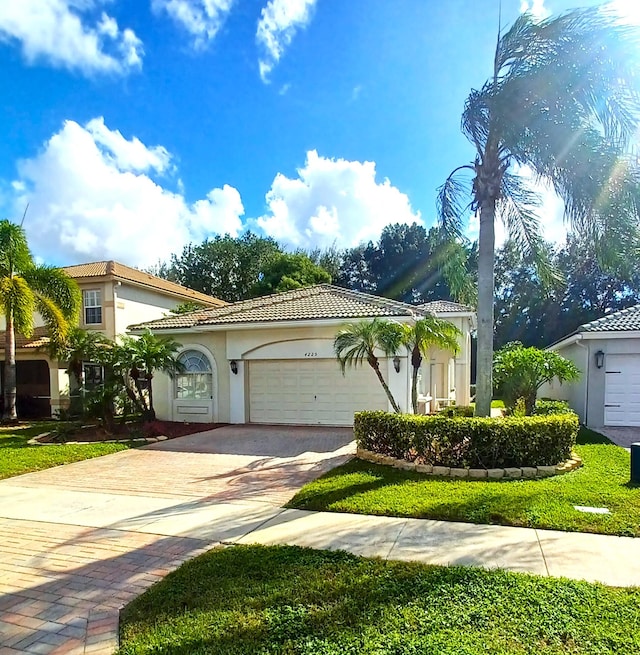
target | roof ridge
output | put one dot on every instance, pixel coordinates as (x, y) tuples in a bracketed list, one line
[(608, 317)]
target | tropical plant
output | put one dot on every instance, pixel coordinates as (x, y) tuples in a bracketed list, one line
[(420, 337), (79, 346), (519, 372), (25, 288), (138, 358), (561, 108), (358, 342)]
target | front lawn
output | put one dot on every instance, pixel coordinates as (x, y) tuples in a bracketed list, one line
[(291, 601), (17, 457), (363, 488)]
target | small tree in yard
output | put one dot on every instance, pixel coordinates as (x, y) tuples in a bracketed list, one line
[(357, 342), (419, 338), (139, 358), (520, 372)]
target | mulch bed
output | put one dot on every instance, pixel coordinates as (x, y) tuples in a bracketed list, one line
[(95, 433)]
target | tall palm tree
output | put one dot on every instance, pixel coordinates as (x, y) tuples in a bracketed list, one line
[(357, 342), (143, 356), (419, 338), (560, 108), (24, 289)]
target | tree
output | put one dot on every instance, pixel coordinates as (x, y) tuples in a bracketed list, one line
[(561, 107), (79, 346), (138, 358), (24, 289), (419, 338), (519, 372), (225, 267), (289, 271), (357, 342)]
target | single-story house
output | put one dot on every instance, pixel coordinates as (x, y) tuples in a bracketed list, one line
[(271, 360), (607, 352)]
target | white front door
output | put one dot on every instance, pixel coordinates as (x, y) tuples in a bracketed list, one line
[(311, 392), (622, 390)]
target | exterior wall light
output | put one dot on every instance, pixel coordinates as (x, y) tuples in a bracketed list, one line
[(396, 363), (233, 365), (599, 359)]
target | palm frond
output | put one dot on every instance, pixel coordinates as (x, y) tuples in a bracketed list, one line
[(14, 251), (17, 302), (454, 202), (57, 286)]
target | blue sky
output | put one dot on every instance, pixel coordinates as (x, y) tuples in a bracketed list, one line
[(132, 127)]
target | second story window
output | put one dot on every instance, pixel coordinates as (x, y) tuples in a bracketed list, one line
[(92, 307)]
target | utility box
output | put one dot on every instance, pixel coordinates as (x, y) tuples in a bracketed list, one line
[(635, 463)]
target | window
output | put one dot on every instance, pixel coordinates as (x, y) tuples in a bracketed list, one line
[(93, 375), (197, 380), (92, 307)]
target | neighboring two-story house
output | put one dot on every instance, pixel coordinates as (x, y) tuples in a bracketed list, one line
[(114, 296)]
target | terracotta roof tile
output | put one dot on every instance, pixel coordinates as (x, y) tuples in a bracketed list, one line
[(444, 307), (126, 273), (39, 338), (323, 301), (620, 321)]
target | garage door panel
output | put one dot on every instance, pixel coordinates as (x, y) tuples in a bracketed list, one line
[(622, 390), (315, 392)]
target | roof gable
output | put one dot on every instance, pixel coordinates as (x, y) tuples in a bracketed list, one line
[(119, 271), (322, 301), (446, 307)]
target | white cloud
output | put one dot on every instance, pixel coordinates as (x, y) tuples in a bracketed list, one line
[(57, 32), (202, 19), (278, 24), (535, 7), (91, 196), (333, 200)]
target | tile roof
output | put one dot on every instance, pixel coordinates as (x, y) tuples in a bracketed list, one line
[(128, 274), (620, 321), (39, 338), (323, 301), (444, 307)]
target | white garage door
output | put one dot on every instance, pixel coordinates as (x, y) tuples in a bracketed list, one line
[(622, 390), (311, 392)]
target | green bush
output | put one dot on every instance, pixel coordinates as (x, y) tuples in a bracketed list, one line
[(473, 442), (546, 406)]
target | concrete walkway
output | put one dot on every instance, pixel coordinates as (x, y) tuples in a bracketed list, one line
[(621, 436), (78, 542)]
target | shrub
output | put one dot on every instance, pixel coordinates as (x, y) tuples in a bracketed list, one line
[(473, 442), (546, 406)]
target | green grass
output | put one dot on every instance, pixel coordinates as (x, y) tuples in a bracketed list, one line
[(290, 601), (16, 457), (363, 488)]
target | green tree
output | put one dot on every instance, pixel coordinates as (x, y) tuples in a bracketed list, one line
[(138, 358), (358, 342), (25, 288), (419, 338), (225, 267), (561, 107), (79, 346), (519, 372), (289, 271)]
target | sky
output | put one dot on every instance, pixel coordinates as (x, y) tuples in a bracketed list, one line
[(134, 127)]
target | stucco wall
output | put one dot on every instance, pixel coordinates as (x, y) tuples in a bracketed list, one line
[(135, 305)]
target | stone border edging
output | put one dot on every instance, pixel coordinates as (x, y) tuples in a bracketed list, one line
[(475, 474), (34, 441)]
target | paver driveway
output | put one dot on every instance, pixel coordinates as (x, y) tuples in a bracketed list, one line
[(78, 542)]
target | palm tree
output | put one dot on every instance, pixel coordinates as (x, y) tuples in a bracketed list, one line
[(420, 337), (78, 347), (25, 288), (142, 356), (560, 108), (357, 342)]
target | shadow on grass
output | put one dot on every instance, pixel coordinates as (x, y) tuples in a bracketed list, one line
[(589, 437)]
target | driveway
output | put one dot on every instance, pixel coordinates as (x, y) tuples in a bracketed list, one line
[(78, 542)]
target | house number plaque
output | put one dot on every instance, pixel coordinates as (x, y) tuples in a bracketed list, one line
[(311, 354)]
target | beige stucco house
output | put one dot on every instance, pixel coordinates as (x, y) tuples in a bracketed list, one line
[(271, 360), (113, 297), (607, 352)]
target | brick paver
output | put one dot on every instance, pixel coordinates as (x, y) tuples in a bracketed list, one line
[(62, 585)]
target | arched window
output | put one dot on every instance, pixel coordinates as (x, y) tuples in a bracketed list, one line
[(197, 380)]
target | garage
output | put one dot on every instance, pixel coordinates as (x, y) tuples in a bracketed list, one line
[(622, 390), (311, 392)]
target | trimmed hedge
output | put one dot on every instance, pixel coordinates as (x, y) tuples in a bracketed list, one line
[(546, 406), (457, 410), (468, 442)]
